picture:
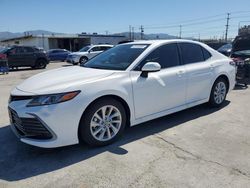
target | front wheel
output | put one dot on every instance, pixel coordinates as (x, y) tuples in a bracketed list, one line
[(103, 122), (83, 60), (218, 93)]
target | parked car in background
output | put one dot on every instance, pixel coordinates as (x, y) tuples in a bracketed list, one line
[(241, 56), (25, 56), (126, 85), (86, 53), (58, 54), (225, 49), (4, 68)]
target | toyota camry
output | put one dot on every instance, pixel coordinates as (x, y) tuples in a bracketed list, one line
[(124, 86)]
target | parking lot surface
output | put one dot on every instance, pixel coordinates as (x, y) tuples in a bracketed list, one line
[(198, 147)]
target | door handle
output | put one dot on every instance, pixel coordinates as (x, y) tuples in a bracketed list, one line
[(180, 73), (211, 67)]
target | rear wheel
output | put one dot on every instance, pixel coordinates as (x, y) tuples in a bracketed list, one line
[(218, 93), (40, 64), (103, 122)]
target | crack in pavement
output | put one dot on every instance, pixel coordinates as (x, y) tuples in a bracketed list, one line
[(148, 169), (200, 158)]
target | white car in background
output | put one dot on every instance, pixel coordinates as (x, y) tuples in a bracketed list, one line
[(126, 85), (86, 53)]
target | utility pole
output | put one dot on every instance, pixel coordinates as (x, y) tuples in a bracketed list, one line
[(227, 26), (133, 33), (43, 39), (130, 36), (142, 31), (180, 33)]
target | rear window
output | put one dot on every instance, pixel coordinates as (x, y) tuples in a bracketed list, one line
[(206, 54), (191, 53)]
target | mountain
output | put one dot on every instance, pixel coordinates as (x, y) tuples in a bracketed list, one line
[(6, 34), (137, 35)]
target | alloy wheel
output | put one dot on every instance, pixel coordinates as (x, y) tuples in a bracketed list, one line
[(106, 123), (220, 92)]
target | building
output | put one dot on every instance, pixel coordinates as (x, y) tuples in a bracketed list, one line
[(72, 42)]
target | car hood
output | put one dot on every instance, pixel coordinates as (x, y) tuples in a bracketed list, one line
[(61, 80)]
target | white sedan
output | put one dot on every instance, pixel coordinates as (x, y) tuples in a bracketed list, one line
[(86, 53), (124, 86)]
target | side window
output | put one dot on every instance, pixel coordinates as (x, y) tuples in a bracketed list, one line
[(166, 55), (95, 49), (28, 50), (104, 48), (206, 54), (191, 53), (19, 50), (12, 51)]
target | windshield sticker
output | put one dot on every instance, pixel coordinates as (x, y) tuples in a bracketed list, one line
[(139, 46)]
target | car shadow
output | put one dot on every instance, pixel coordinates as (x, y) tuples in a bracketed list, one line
[(20, 161)]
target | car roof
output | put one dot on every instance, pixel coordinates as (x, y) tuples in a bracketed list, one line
[(106, 45), (162, 41)]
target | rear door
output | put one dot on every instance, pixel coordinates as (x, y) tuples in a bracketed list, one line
[(199, 71), (29, 56)]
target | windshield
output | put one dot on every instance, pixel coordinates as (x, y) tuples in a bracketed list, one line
[(117, 58), (3, 50), (84, 49)]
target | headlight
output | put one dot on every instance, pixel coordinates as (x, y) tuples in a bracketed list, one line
[(75, 56), (52, 99)]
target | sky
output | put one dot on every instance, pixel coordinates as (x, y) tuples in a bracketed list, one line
[(199, 18)]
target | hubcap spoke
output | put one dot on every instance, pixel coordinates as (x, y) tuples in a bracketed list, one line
[(97, 131), (108, 131), (115, 130)]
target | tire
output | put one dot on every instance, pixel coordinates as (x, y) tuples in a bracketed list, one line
[(41, 64), (83, 60), (218, 93), (97, 131)]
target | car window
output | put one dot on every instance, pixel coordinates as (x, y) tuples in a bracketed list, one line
[(206, 54), (19, 50), (95, 49), (167, 56), (191, 53), (103, 48), (28, 50)]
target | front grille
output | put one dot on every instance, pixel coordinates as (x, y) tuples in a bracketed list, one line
[(29, 127), (19, 98)]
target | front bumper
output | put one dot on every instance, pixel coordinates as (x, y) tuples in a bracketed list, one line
[(72, 59), (46, 126)]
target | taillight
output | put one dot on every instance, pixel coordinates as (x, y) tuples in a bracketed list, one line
[(3, 56)]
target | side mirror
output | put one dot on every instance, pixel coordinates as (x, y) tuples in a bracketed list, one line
[(150, 67)]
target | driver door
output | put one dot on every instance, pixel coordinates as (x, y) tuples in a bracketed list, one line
[(163, 90)]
